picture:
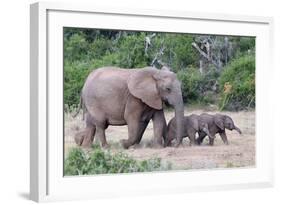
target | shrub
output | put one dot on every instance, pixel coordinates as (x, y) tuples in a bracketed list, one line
[(246, 44), (131, 51), (98, 161), (98, 48), (75, 75), (177, 50), (75, 48), (191, 81), (237, 84)]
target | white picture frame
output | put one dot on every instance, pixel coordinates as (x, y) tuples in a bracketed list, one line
[(46, 137)]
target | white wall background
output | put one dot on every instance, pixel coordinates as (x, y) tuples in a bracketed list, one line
[(14, 103)]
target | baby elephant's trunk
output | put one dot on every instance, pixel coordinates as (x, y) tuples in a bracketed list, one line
[(208, 133), (238, 130)]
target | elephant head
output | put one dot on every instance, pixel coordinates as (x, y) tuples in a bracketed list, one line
[(154, 87), (200, 125), (225, 122), (205, 128)]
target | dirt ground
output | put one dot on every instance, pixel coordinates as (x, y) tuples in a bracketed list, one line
[(239, 153)]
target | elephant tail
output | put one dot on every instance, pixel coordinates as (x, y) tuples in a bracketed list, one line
[(81, 105)]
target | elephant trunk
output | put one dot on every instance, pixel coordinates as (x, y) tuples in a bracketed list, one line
[(238, 130), (208, 133), (168, 138), (179, 116)]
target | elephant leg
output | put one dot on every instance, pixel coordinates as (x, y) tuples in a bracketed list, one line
[(87, 133), (224, 137), (136, 127), (87, 138), (191, 136), (133, 132), (143, 126), (200, 138), (79, 137), (170, 135), (159, 127), (211, 141), (100, 132)]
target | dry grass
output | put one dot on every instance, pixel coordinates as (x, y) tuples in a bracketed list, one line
[(239, 153)]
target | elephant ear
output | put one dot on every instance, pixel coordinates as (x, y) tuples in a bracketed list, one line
[(142, 85), (195, 124), (219, 122)]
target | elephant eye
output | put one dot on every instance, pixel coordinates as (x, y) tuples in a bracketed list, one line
[(168, 89)]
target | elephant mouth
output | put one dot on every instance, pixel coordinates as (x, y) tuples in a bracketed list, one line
[(166, 102)]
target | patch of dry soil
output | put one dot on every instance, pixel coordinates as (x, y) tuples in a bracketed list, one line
[(239, 153)]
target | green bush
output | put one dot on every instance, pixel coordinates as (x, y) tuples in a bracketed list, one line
[(191, 80), (177, 50), (75, 75), (209, 87), (75, 48), (98, 161), (98, 48), (196, 87), (246, 44), (237, 84), (131, 51), (88, 49)]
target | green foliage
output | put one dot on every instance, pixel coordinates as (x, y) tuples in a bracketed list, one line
[(246, 44), (198, 88), (75, 48), (88, 49), (98, 161), (75, 74), (237, 84), (178, 52), (191, 80), (131, 51)]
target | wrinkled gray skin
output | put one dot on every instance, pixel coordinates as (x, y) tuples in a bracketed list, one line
[(217, 124), (192, 125), (115, 96)]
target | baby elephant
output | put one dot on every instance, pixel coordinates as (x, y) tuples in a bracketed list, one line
[(192, 125), (217, 124)]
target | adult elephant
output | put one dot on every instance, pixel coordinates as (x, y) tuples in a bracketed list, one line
[(115, 96)]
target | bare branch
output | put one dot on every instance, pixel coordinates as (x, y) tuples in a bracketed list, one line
[(148, 42), (201, 51)]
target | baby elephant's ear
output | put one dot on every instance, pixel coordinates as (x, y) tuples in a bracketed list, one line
[(219, 122), (195, 124)]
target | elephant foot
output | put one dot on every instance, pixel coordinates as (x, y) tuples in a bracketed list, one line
[(178, 144), (137, 146), (158, 146), (198, 143), (125, 144), (79, 137), (87, 145), (105, 146), (193, 144), (168, 143)]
